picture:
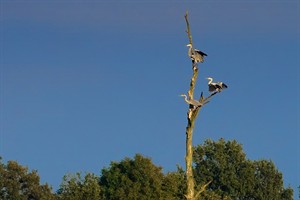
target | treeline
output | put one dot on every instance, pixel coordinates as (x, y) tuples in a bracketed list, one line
[(224, 162)]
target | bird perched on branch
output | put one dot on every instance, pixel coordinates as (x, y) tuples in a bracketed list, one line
[(215, 87), (192, 101), (195, 54)]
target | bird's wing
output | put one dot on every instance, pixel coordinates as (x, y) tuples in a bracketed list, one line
[(196, 103), (201, 52), (224, 85), (218, 86), (211, 88)]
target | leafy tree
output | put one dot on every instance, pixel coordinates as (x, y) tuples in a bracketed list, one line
[(75, 187), (268, 178), (174, 186), (16, 183), (236, 177), (233, 177), (132, 179), (211, 195)]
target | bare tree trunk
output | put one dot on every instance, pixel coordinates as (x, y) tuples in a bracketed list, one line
[(189, 157), (191, 117)]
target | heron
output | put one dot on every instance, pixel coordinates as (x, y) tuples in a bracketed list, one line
[(215, 87), (195, 54), (192, 102)]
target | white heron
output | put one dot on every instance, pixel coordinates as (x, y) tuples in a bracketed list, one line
[(195, 54), (192, 102), (215, 87)]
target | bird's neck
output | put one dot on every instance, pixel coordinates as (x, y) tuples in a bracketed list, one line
[(185, 98), (190, 49)]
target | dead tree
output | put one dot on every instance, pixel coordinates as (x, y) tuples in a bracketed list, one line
[(193, 192)]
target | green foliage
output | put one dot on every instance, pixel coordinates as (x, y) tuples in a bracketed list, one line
[(233, 177), (132, 179), (75, 187), (174, 187), (16, 183), (210, 195), (236, 177), (267, 177)]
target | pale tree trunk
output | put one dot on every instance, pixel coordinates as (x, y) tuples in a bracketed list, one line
[(191, 117)]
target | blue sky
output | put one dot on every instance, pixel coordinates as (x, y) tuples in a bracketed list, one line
[(84, 83)]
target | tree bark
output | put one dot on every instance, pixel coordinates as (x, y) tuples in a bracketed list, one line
[(191, 115)]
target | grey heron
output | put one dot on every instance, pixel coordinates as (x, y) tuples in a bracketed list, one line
[(215, 87), (192, 101), (195, 54)]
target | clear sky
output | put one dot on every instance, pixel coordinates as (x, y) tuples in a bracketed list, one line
[(84, 83)]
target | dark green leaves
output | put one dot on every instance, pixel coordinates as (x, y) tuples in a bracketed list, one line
[(132, 179), (235, 176), (17, 183)]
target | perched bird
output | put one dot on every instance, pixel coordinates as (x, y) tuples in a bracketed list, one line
[(195, 54), (192, 101), (215, 87)]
